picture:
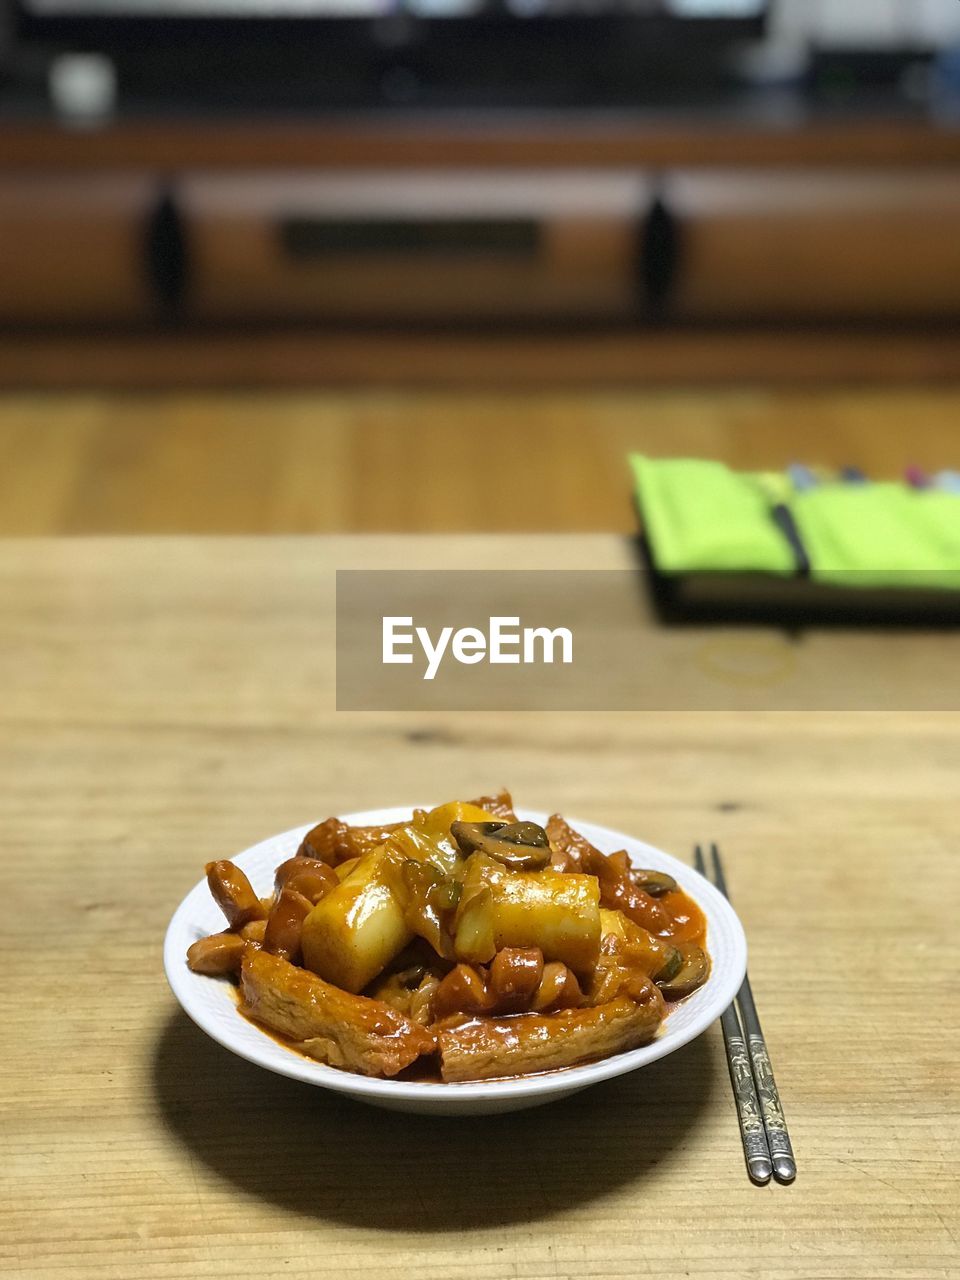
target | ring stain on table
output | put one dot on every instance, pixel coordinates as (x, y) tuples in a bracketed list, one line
[(318, 1154)]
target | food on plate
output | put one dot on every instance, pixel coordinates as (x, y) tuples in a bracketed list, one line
[(482, 1048), (464, 944), (330, 1024)]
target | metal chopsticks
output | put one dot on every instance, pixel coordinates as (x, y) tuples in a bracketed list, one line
[(766, 1142)]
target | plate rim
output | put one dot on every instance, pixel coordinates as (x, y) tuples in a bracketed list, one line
[(184, 985)]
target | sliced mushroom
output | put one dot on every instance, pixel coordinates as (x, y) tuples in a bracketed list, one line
[(671, 966), (656, 883), (522, 846), (688, 977)]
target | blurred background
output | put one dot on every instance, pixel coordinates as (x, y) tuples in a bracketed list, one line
[(296, 265)]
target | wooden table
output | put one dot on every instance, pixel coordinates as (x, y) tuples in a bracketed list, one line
[(382, 461), (169, 701)]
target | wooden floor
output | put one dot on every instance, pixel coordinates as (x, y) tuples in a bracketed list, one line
[(261, 462)]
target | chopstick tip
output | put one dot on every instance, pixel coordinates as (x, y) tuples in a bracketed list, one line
[(784, 1168)]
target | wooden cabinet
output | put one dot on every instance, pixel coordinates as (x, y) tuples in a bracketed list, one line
[(494, 250), (816, 245), (73, 248), (480, 245)]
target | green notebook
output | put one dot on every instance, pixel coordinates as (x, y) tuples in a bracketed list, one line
[(714, 533)]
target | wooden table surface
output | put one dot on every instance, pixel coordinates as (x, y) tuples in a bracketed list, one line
[(372, 461), (165, 702)]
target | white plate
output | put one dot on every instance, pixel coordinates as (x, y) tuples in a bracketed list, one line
[(212, 1005)]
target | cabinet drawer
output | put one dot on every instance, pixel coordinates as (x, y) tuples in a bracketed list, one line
[(816, 245), (74, 249), (444, 246)]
